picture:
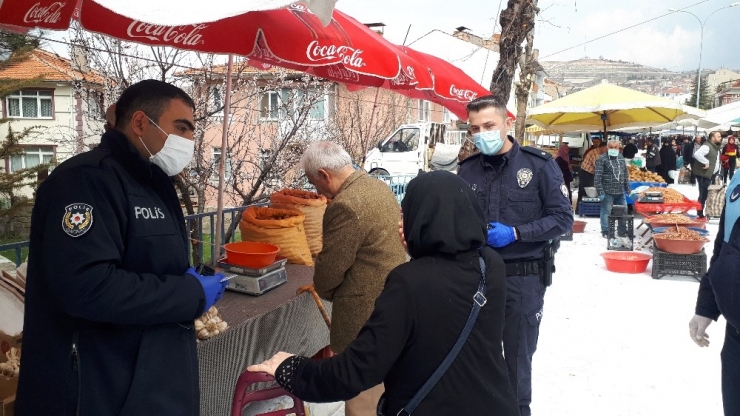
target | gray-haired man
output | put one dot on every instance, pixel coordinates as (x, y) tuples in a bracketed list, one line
[(361, 247)]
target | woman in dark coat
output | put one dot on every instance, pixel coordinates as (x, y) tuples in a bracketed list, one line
[(563, 161), (668, 160), (419, 316)]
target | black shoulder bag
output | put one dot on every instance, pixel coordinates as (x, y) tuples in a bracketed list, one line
[(479, 299)]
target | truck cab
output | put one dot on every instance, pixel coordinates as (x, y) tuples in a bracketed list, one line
[(407, 150)]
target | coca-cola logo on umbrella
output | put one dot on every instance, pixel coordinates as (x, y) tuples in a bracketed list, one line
[(46, 14), (343, 74), (462, 94), (187, 35), (346, 55)]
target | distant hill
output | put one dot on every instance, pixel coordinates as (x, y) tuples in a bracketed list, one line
[(583, 73)]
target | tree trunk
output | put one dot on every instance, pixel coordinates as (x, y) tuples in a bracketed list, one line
[(517, 20), (527, 73)]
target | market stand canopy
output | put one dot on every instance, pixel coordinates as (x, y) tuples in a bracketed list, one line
[(55, 15), (608, 106)]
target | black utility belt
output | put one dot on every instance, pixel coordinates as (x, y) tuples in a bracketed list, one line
[(525, 268)]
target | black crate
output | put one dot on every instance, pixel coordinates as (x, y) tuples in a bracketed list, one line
[(589, 209), (665, 264), (567, 236), (621, 241)]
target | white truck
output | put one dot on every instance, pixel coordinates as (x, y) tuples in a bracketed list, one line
[(410, 148)]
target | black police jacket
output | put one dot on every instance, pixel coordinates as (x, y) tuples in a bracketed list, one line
[(108, 328), (526, 192)]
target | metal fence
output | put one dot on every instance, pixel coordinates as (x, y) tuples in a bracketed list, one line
[(197, 224)]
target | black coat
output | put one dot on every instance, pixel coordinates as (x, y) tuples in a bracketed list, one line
[(629, 151), (668, 158), (109, 313), (565, 168), (417, 319)]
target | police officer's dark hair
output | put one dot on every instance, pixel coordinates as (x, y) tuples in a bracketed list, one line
[(150, 96), (488, 101)]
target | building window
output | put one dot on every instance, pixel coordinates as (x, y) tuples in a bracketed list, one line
[(31, 157), (30, 104), (217, 163), (272, 179), (95, 104), (270, 105), (446, 118), (424, 109), (217, 101)]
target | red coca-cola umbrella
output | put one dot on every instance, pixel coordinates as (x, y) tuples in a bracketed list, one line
[(292, 37)]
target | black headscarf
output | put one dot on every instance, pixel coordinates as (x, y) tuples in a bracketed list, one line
[(441, 215)]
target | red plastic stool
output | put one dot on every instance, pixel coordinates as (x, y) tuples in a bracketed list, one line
[(243, 398)]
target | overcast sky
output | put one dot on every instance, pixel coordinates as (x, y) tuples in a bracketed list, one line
[(670, 42)]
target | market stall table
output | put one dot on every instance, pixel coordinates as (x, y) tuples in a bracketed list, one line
[(648, 209), (260, 326)]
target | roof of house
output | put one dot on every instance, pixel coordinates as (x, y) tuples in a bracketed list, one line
[(50, 66), (674, 90)]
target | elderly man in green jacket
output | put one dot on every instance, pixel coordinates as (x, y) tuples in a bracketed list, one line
[(361, 247)]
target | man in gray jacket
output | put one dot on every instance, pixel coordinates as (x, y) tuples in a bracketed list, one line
[(706, 165)]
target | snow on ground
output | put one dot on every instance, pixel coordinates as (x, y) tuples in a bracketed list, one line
[(616, 344)]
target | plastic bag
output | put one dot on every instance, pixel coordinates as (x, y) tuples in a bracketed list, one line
[(281, 227)]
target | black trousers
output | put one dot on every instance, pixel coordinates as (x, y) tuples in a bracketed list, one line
[(730, 171), (703, 190), (731, 372)]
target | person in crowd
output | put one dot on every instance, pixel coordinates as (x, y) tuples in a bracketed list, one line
[(668, 159), (695, 145), (110, 118), (110, 296), (525, 202), (706, 164), (611, 181), (630, 150), (729, 153), (676, 146), (420, 315), (595, 144), (563, 161), (718, 296), (652, 155), (360, 248), (588, 168)]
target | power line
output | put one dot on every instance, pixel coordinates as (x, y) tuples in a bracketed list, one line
[(624, 29)]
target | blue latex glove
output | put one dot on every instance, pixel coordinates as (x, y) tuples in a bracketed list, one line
[(213, 286), (500, 235), (601, 197)]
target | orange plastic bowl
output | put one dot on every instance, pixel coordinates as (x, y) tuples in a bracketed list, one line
[(626, 261), (579, 226), (251, 254), (679, 246)]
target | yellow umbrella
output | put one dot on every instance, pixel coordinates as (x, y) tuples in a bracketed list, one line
[(608, 106)]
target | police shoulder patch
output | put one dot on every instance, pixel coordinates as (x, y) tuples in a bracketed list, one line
[(537, 152), (564, 189), (77, 219)]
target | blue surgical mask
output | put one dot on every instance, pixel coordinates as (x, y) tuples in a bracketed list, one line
[(613, 152), (488, 142)]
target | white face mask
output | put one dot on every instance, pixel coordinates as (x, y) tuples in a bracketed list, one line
[(175, 155)]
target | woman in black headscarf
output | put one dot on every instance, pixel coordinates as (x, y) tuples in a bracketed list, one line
[(419, 316)]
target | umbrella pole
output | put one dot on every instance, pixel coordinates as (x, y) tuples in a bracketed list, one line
[(216, 242), (372, 116)]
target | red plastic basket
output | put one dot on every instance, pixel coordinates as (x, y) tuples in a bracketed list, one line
[(626, 261), (667, 208)]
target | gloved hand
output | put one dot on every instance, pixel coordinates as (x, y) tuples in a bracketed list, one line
[(500, 235), (601, 197), (697, 329), (213, 286)]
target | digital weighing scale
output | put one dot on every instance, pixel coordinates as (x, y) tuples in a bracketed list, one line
[(254, 281), (653, 198)]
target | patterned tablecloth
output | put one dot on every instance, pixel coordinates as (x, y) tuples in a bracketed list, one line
[(259, 326)]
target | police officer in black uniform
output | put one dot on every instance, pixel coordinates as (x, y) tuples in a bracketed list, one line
[(525, 200), (110, 299)]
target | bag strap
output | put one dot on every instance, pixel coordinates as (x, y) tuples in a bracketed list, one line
[(479, 299)]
